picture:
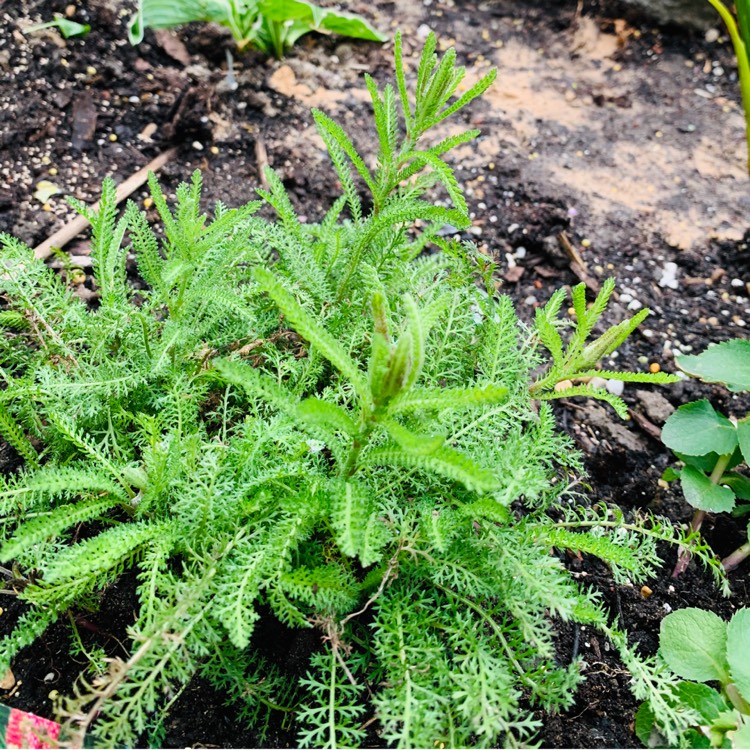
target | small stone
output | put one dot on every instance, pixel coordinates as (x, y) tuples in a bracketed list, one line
[(597, 382), (711, 35), (148, 202), (197, 145), (657, 408), (112, 137), (91, 70), (669, 276), (654, 367), (52, 171), (530, 300), (615, 387), (214, 150), (563, 385), (646, 592), (737, 283)]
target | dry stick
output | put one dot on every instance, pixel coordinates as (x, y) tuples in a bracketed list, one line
[(261, 158), (577, 263), (75, 226)]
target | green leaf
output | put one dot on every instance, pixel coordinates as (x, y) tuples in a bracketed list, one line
[(728, 363), (738, 483), (743, 437), (320, 19), (411, 442), (693, 642), (163, 14), (740, 737), (644, 725), (315, 411), (449, 398), (738, 651), (703, 494), (65, 26), (311, 330), (445, 461), (704, 699), (697, 428), (51, 524)]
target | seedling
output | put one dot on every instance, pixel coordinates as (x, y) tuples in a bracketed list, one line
[(579, 359), (739, 33), (64, 25), (271, 26), (700, 647), (711, 446)]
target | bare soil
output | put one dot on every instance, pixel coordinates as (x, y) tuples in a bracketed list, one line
[(628, 139)]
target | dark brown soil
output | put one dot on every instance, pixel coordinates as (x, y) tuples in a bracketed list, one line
[(627, 138)]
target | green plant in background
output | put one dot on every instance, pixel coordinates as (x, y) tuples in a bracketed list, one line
[(318, 425), (271, 26), (64, 25), (739, 33), (700, 647), (710, 445)]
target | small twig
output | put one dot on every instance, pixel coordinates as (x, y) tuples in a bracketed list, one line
[(61, 238), (261, 158), (577, 263)]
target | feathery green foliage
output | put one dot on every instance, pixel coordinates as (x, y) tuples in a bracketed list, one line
[(317, 425)]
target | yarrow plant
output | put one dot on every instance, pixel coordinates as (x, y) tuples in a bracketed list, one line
[(318, 425)]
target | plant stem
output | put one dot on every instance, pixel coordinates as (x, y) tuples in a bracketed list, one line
[(683, 558), (743, 65), (730, 562)]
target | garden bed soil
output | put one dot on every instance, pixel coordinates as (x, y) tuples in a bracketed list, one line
[(608, 147)]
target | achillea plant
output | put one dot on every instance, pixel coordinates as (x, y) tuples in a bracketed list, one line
[(319, 424)]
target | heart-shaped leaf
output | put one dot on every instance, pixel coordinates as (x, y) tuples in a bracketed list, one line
[(703, 494), (697, 428), (693, 642), (738, 651), (728, 362)]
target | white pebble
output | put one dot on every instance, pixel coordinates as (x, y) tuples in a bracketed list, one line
[(669, 276), (513, 227), (615, 387), (197, 145), (423, 31), (635, 305), (737, 282), (530, 300), (520, 252)]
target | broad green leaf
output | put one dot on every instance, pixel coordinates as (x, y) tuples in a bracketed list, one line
[(740, 737), (704, 699), (163, 14), (693, 643), (743, 437), (738, 483), (644, 725), (697, 428), (728, 362), (319, 19), (703, 494), (738, 651)]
